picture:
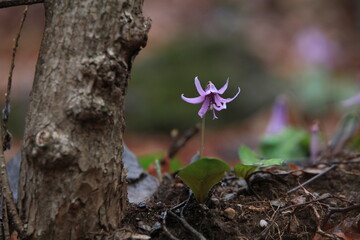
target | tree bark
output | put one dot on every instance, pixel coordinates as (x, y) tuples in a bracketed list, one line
[(72, 182)]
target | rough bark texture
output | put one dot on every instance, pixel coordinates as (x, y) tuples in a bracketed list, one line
[(72, 181)]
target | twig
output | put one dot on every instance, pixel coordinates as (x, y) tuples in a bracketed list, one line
[(178, 142), (276, 214), (14, 3), (184, 203), (188, 226), (331, 211), (250, 179), (319, 230), (307, 203), (12, 211), (6, 110), (354, 160), (311, 179), (167, 230), (6, 191), (5, 221), (265, 232)]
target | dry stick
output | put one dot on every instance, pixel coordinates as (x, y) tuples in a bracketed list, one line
[(326, 196), (186, 203), (6, 190), (312, 179), (2, 214), (331, 211), (188, 226), (14, 3), (16, 45), (265, 232), (278, 211), (179, 141), (167, 230), (183, 204), (6, 111), (5, 222)]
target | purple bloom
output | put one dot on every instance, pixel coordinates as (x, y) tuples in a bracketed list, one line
[(314, 145), (210, 98), (351, 101), (316, 48), (279, 116)]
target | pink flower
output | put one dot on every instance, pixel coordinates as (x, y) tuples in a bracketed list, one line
[(210, 98), (314, 144), (279, 116)]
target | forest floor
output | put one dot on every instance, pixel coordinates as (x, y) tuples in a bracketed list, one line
[(261, 208)]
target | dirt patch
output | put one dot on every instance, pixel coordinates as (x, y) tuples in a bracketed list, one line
[(327, 208)]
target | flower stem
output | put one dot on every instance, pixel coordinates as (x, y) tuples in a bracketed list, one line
[(202, 136)]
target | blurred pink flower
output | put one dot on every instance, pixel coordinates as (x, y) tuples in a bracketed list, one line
[(279, 116), (314, 47), (210, 98), (351, 101), (314, 144)]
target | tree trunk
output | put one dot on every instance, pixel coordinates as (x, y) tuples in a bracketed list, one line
[(72, 182)]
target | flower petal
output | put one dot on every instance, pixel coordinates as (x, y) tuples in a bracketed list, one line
[(194, 100), (210, 88), (219, 108), (219, 101), (351, 101), (279, 116), (204, 108), (199, 87), (214, 115), (227, 100), (223, 89)]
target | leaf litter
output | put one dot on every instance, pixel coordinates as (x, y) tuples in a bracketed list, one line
[(326, 208)]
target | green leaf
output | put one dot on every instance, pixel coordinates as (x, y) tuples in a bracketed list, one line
[(146, 160), (271, 162), (290, 144), (247, 156), (175, 164), (202, 174), (242, 171)]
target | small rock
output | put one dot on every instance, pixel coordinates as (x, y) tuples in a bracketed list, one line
[(141, 205), (215, 201), (263, 223), (156, 226), (204, 207), (229, 196), (179, 185), (229, 213), (144, 227), (140, 237), (277, 203)]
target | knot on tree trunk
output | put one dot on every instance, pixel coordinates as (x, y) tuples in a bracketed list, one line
[(49, 148), (88, 108)]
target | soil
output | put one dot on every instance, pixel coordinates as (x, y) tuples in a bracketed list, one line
[(260, 208)]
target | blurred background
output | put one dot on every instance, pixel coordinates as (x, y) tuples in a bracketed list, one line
[(307, 50)]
